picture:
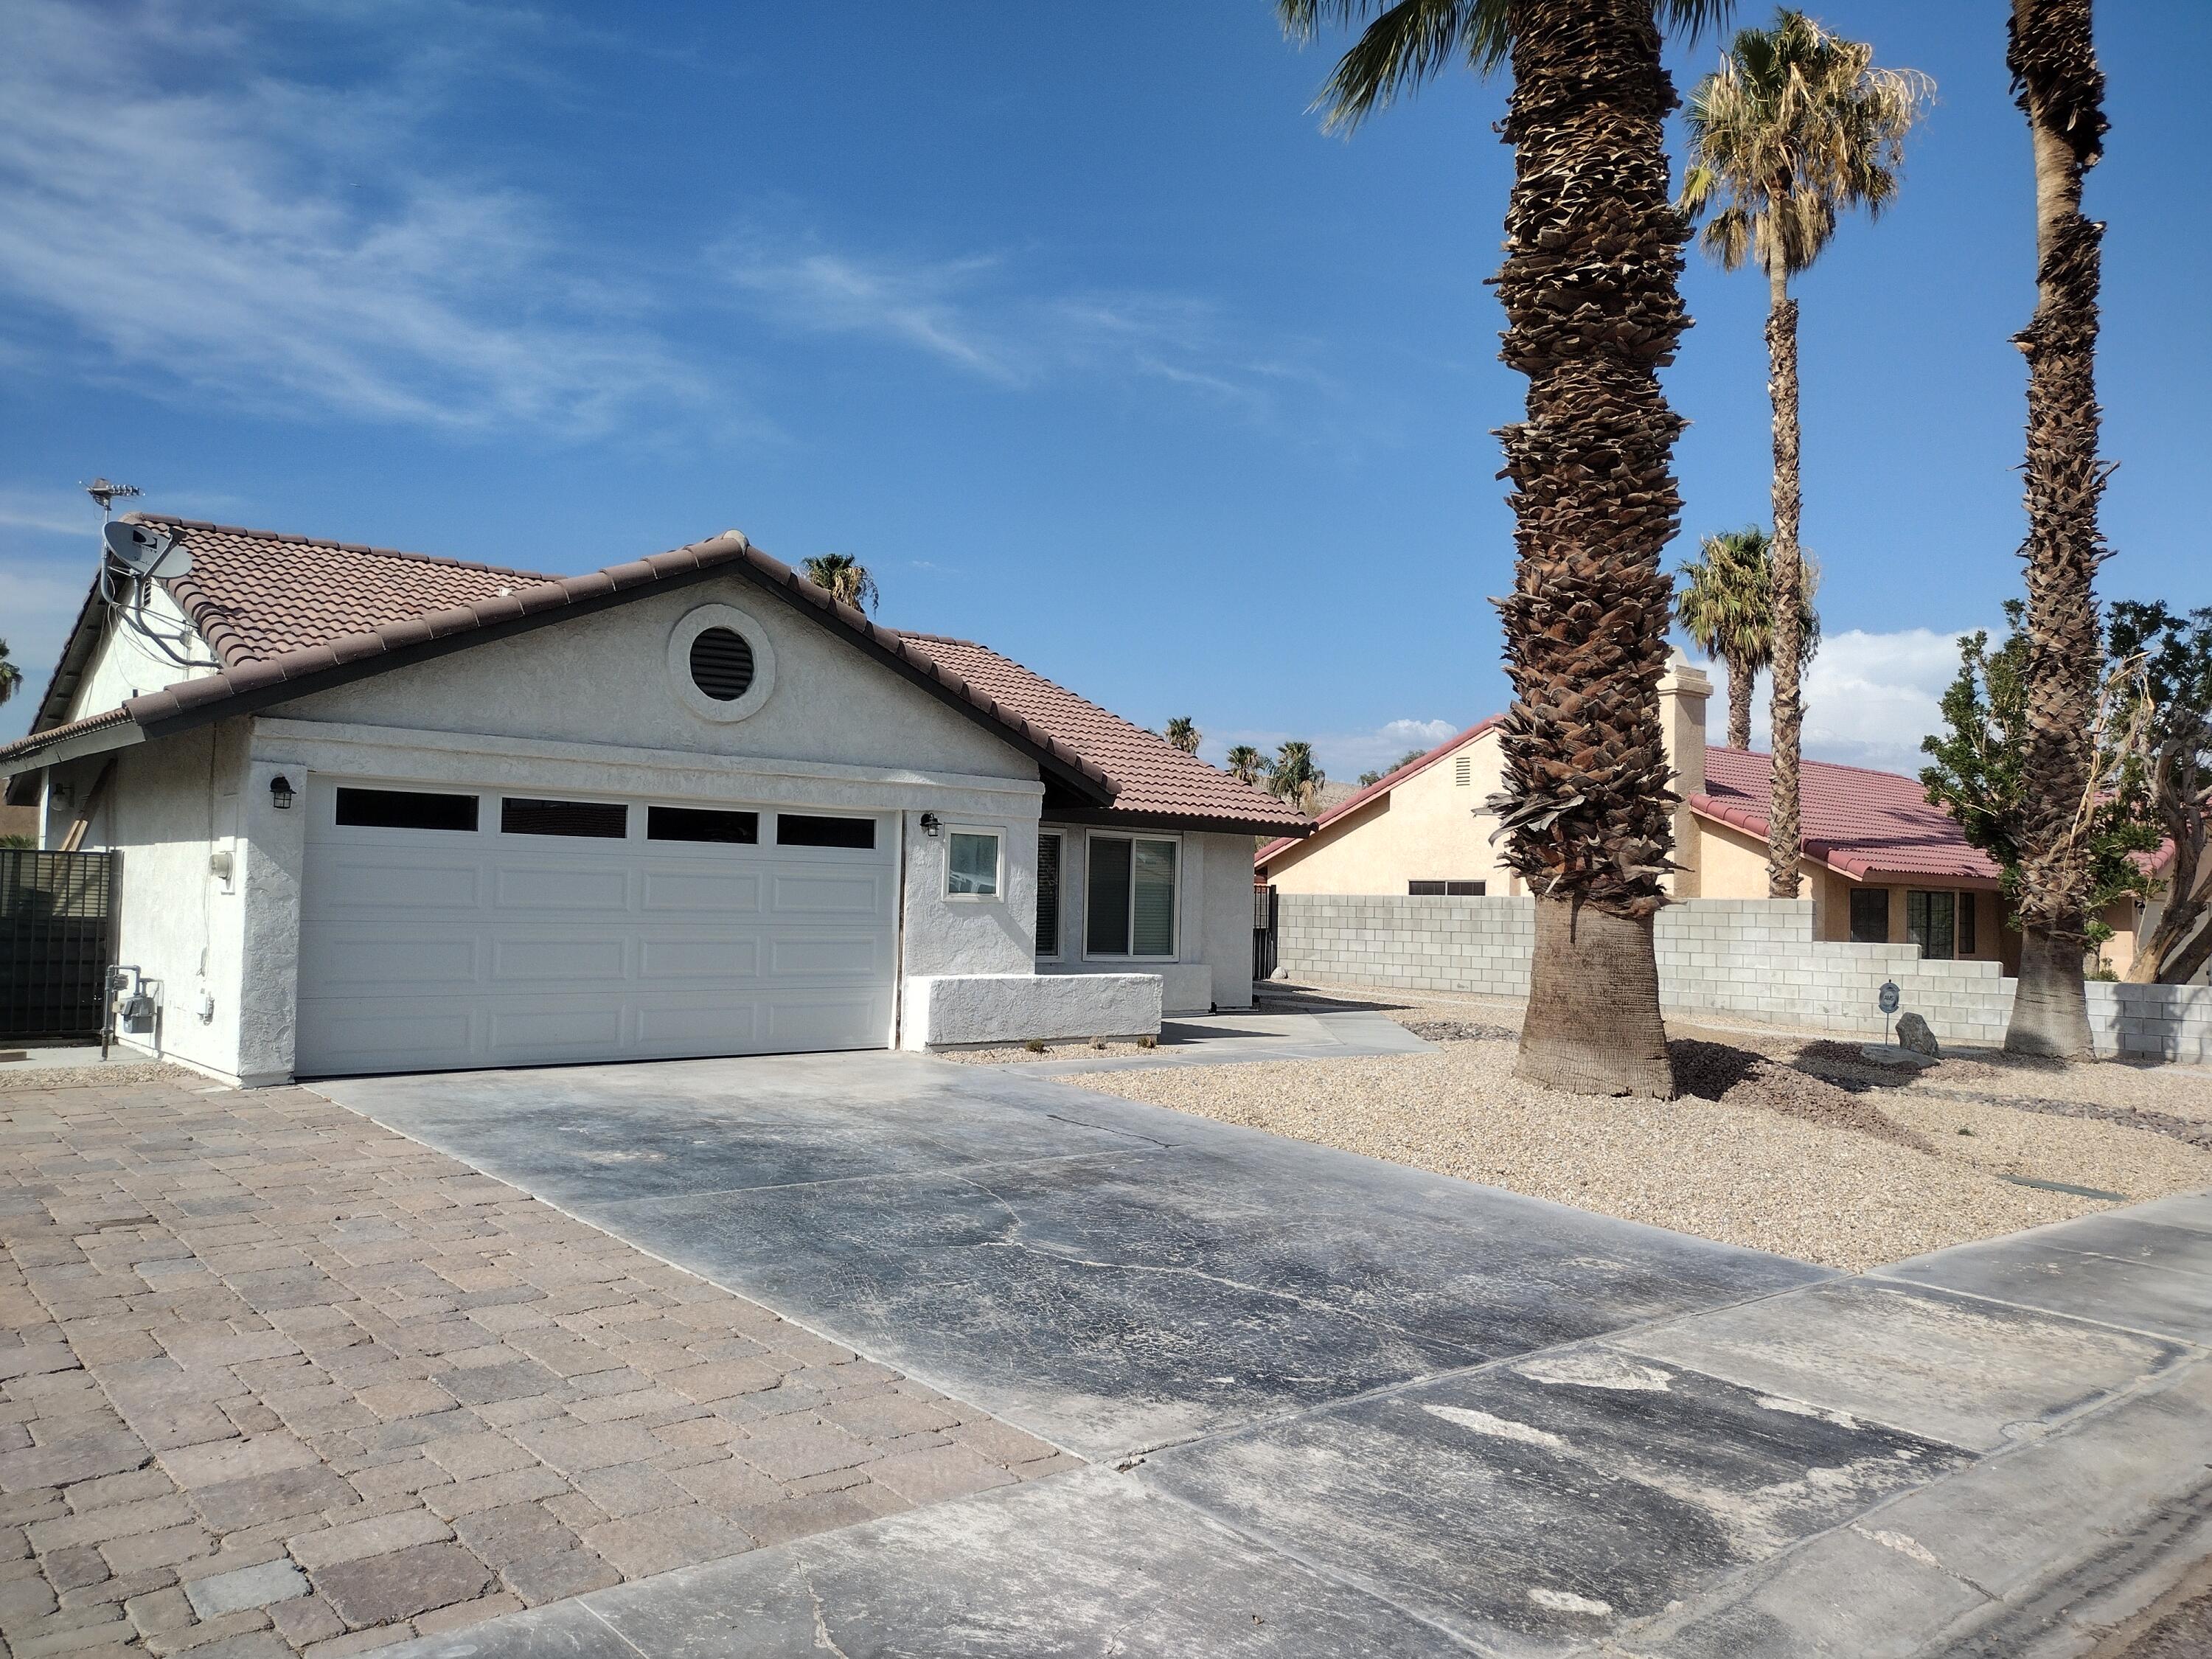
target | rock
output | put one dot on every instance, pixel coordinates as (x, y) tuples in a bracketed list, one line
[(1912, 1033), (1280, 973)]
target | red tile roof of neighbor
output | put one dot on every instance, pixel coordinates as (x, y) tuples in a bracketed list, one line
[(1863, 823), (1381, 786), (283, 615)]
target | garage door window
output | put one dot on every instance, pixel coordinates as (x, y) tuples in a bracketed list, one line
[(405, 809), (809, 829), (1131, 897), (600, 820), (702, 823)]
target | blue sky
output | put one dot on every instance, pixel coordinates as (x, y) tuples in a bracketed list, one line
[(1068, 321)]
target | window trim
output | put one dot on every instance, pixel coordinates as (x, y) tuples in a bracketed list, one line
[(1059, 910), (998, 893), (689, 627), (1175, 923)]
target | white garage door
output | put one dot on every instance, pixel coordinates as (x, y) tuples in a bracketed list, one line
[(444, 927)]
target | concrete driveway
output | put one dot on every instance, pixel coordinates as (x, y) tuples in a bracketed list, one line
[(1338, 1407)]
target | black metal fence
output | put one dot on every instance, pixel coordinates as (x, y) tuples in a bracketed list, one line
[(56, 939), (1263, 932)]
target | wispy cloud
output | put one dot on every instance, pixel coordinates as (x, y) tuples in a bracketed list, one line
[(1870, 698), (1345, 755), (206, 225)]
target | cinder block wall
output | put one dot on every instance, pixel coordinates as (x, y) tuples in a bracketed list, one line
[(1755, 957)]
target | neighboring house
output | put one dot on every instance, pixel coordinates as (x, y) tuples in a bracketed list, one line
[(401, 813), (1882, 863)]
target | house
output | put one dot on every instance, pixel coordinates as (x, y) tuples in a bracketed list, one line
[(378, 811), (1882, 863)]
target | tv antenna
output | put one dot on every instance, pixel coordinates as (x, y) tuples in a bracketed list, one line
[(108, 494)]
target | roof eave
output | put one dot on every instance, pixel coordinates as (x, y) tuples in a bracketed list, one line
[(1113, 817)]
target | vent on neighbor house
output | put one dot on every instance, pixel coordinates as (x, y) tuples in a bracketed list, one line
[(1463, 773), (722, 663)]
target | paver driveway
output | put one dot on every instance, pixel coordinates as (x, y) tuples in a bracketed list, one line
[(1337, 1406)]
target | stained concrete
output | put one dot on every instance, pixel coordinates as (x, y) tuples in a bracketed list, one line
[(2115, 1268)]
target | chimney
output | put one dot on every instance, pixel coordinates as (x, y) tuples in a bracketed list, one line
[(1682, 695)]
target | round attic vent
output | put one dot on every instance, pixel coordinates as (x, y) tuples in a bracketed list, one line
[(722, 663)]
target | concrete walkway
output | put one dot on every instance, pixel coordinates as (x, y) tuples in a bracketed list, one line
[(1333, 1406)]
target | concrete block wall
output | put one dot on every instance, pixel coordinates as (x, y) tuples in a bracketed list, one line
[(1751, 957)]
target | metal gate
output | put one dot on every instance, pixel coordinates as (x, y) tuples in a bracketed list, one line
[(1263, 932), (56, 939)]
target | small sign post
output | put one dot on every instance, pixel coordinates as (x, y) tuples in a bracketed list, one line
[(1888, 999)]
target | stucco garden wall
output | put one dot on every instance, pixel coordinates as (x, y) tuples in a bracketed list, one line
[(1756, 958), (952, 1010)]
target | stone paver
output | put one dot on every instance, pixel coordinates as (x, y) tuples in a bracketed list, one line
[(274, 1380)]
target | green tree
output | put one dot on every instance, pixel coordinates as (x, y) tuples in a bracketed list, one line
[(1368, 780), (1794, 128), (10, 676), (845, 579), (1183, 734), (1294, 777), (2060, 89), (1725, 603), (1246, 763), (1980, 770), (1593, 251), (2175, 654)]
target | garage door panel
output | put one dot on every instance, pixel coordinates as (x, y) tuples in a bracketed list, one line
[(466, 950)]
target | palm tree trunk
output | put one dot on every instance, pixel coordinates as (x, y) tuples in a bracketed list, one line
[(1785, 833), (1742, 681), (2061, 89), (1593, 249)]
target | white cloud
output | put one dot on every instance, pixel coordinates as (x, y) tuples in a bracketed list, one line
[(1870, 698), (210, 226)]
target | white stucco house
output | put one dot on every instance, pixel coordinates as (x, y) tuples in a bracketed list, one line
[(381, 811)]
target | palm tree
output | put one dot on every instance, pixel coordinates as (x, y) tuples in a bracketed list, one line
[(1294, 777), (2061, 89), (846, 578), (1183, 734), (1794, 129), (1246, 763), (10, 676), (1593, 249), (1724, 601)]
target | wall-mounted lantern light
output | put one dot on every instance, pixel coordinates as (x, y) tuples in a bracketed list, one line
[(931, 823), (280, 792)]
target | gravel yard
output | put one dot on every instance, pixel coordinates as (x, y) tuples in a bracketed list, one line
[(1804, 1153)]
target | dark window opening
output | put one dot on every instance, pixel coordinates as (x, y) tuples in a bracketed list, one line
[(405, 809), (805, 830), (600, 820), (702, 823), (1048, 923), (1107, 914), (1425, 890), (1869, 915), (1927, 923), (722, 663), (1966, 946), (1447, 889)]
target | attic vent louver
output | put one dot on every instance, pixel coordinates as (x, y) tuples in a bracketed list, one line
[(1464, 773), (722, 663)]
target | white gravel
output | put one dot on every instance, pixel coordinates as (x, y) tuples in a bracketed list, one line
[(16, 1077)]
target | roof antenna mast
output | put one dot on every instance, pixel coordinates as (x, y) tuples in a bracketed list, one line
[(108, 494)]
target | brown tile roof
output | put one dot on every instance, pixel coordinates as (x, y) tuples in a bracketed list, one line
[(279, 610), (1381, 786), (1153, 776), (1864, 824)]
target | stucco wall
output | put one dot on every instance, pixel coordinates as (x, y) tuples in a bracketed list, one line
[(952, 1010), (1194, 979), (1426, 828), (1227, 908), (124, 664)]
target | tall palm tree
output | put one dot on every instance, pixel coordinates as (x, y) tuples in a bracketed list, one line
[(846, 579), (2061, 89), (1246, 762), (1183, 734), (1794, 129), (10, 676), (1593, 249), (1724, 601), (1294, 777)]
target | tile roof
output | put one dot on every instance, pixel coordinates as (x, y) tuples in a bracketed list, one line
[(1863, 823), (1154, 776), (276, 611), (1381, 786)]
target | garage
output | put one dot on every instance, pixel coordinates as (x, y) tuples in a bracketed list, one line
[(445, 927)]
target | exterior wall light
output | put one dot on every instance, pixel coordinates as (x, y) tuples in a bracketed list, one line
[(931, 823), (280, 792)]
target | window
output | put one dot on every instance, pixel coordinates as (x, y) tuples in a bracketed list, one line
[(805, 830), (702, 823), (405, 809), (722, 663), (1464, 771), (971, 864), (1927, 923), (1869, 915), (1047, 890), (1131, 894), (1966, 924), (599, 820), (1447, 889)]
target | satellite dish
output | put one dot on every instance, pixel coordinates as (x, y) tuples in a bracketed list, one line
[(145, 552)]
